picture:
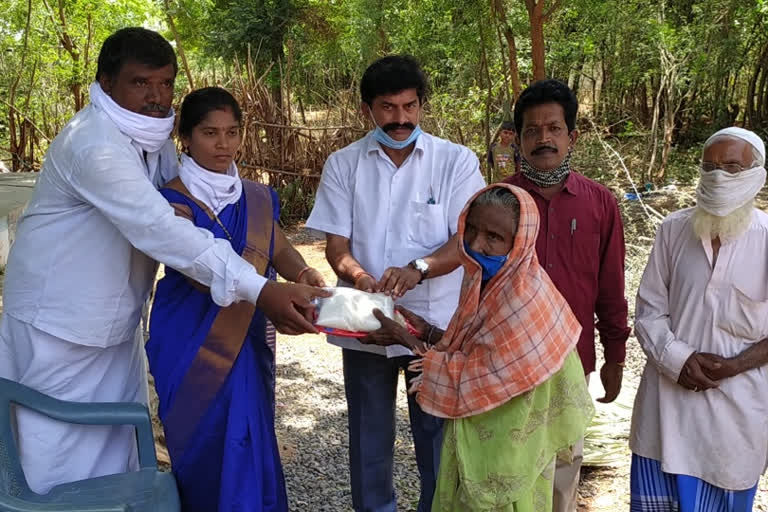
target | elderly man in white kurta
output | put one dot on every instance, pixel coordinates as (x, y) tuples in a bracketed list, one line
[(700, 424), (82, 265)]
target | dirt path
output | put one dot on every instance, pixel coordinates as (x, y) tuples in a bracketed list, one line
[(311, 409), (312, 412), (312, 423)]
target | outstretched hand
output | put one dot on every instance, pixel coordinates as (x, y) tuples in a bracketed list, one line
[(420, 325), (397, 280), (392, 333), (312, 277), (289, 306)]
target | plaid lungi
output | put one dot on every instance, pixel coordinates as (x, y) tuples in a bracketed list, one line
[(653, 490)]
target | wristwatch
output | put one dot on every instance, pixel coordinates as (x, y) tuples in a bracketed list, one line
[(422, 266)]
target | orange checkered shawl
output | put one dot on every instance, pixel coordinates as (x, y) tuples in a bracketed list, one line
[(505, 341)]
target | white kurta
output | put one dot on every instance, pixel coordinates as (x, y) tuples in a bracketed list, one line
[(78, 274), (684, 305), (393, 215), (54, 452), (82, 266)]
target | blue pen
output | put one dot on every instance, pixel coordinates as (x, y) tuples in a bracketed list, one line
[(431, 199)]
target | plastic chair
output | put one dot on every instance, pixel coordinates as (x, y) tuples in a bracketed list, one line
[(145, 490)]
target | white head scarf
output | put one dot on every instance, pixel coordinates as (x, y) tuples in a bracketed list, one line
[(216, 190), (720, 193), (149, 133)]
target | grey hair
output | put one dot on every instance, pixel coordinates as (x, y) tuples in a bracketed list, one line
[(758, 160), (498, 196)]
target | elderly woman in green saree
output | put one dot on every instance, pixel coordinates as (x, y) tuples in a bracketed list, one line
[(504, 374)]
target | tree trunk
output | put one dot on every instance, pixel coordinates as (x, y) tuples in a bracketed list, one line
[(498, 7), (381, 30), (514, 70), (669, 130), (505, 66), (643, 100), (536, 19), (760, 97), (179, 45), (654, 130), (752, 116), (71, 47), (489, 92), (16, 144), (574, 77), (537, 16)]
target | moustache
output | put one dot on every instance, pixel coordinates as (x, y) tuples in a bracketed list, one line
[(155, 107), (542, 149), (394, 126)]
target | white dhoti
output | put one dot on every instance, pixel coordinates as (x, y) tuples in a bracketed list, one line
[(53, 452)]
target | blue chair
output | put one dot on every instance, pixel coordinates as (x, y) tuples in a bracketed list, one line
[(142, 491)]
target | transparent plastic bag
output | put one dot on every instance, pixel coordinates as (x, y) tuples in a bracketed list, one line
[(351, 310)]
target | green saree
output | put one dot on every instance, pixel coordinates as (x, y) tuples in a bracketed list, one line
[(503, 460)]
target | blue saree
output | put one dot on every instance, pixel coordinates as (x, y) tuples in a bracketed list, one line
[(214, 369)]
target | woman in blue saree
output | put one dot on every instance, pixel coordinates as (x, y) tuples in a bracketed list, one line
[(214, 366)]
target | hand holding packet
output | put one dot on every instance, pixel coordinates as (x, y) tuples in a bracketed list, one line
[(349, 312)]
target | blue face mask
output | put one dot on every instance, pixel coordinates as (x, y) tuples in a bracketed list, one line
[(385, 140), (490, 264)]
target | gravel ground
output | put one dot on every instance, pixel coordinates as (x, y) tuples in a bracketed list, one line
[(312, 417), (311, 409), (311, 424)]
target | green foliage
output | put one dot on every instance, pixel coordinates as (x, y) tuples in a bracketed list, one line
[(617, 54), (43, 70)]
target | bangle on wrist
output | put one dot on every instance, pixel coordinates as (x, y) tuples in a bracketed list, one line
[(303, 271), (360, 273)]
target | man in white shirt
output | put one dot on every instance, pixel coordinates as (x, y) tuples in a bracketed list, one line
[(699, 437), (386, 203), (82, 265)]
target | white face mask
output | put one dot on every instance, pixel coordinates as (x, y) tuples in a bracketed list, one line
[(216, 190), (721, 193), (149, 133)]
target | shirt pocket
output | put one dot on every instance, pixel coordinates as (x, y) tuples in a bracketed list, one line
[(584, 252), (427, 225), (742, 316)]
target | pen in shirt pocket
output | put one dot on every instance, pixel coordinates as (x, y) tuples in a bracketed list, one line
[(431, 199), (573, 226)]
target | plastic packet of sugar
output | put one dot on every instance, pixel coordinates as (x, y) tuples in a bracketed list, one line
[(351, 310)]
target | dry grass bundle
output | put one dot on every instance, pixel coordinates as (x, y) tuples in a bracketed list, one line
[(284, 155)]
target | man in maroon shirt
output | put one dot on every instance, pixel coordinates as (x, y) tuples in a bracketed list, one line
[(580, 243)]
